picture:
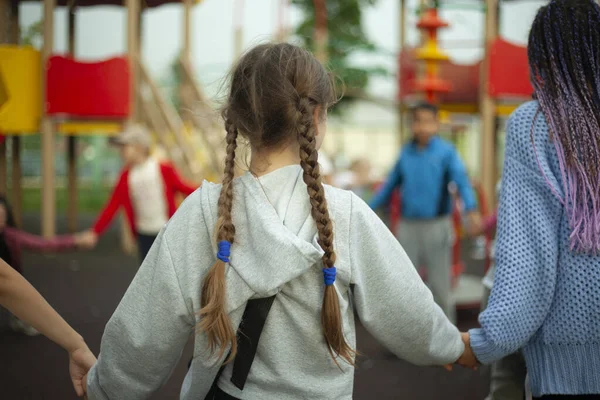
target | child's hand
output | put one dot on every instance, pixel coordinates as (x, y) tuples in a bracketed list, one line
[(86, 240), (474, 225), (468, 359), (80, 362)]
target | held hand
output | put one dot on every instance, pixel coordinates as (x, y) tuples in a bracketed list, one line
[(473, 223), (80, 362), (468, 359), (86, 240)]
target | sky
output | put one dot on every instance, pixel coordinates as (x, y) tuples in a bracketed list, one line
[(101, 32)]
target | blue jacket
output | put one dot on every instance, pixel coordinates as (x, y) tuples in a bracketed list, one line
[(423, 176)]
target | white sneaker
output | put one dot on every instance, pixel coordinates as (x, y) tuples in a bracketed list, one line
[(19, 326)]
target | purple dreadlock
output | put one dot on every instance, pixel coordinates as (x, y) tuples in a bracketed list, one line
[(564, 58)]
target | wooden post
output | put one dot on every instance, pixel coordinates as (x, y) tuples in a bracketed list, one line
[(14, 31), (488, 108), (238, 31), (133, 52), (402, 45), (184, 83), (7, 33), (17, 191), (71, 144), (17, 196), (187, 30), (47, 132), (3, 167), (4, 18), (320, 34)]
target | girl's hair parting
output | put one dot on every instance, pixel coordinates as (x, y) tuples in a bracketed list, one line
[(564, 58), (277, 93)]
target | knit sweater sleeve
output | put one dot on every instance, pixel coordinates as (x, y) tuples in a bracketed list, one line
[(526, 253), (390, 298)]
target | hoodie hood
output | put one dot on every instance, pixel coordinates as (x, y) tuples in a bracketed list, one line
[(276, 236)]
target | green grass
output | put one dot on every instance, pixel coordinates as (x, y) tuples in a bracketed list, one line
[(89, 199)]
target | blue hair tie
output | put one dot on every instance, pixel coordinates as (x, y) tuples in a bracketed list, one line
[(224, 251), (329, 275)]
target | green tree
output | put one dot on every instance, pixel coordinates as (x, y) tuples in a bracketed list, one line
[(345, 37), (32, 35)]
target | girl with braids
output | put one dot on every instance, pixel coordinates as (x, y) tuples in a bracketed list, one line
[(546, 294), (273, 254)]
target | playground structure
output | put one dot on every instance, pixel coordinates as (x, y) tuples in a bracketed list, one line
[(492, 88), (51, 93)]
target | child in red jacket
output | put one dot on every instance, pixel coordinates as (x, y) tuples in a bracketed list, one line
[(145, 190)]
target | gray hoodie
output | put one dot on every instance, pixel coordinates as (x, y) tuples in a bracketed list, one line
[(275, 252)]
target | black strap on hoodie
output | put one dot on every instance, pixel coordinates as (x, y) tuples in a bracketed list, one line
[(248, 335)]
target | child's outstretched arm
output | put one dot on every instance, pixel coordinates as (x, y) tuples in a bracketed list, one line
[(383, 195), (21, 299), (37, 243), (392, 301), (117, 197), (182, 186)]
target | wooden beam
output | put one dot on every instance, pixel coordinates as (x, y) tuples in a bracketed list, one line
[(72, 183), (173, 121), (4, 20), (320, 34), (71, 144), (133, 51), (48, 172), (17, 196), (488, 108), (402, 29), (3, 167), (9, 33), (187, 31), (238, 29), (14, 31), (184, 83), (5, 37), (17, 191)]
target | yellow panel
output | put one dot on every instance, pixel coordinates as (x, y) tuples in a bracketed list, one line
[(21, 109), (504, 110), (91, 128), (459, 108)]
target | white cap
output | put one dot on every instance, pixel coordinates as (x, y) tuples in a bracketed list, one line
[(135, 135)]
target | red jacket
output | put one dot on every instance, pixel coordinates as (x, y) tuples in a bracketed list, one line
[(120, 197)]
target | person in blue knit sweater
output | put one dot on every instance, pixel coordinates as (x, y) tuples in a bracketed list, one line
[(546, 294)]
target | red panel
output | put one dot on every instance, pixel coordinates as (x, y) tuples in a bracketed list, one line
[(464, 79), (88, 90), (509, 70), (407, 73), (509, 75)]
